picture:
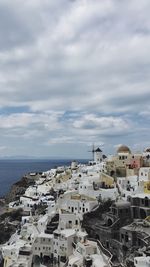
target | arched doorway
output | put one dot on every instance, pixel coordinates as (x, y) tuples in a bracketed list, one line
[(109, 222), (142, 214)]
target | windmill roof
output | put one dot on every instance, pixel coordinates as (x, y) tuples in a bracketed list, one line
[(98, 150)]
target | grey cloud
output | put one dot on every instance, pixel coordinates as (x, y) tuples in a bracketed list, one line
[(89, 56)]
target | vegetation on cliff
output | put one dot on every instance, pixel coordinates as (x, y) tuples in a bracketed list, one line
[(19, 188), (9, 222)]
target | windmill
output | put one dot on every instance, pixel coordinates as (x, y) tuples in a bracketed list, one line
[(97, 154), (93, 151)]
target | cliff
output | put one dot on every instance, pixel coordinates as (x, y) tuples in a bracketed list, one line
[(9, 223), (19, 188)]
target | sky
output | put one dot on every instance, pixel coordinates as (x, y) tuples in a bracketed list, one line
[(73, 73)]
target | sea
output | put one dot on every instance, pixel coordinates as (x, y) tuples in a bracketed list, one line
[(12, 171)]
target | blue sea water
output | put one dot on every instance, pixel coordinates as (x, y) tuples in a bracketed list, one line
[(12, 171)]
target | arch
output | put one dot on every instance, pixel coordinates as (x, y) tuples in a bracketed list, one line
[(97, 237), (146, 202), (36, 260), (142, 214), (109, 222), (112, 173), (47, 259)]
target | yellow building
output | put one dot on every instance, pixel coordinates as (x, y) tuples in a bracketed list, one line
[(106, 180), (147, 187), (7, 261)]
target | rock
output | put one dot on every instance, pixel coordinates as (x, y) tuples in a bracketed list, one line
[(19, 188)]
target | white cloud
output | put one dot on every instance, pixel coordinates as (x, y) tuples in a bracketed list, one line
[(27, 120), (102, 125), (90, 57), (86, 50)]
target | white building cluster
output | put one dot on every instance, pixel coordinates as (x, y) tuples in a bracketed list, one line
[(54, 235)]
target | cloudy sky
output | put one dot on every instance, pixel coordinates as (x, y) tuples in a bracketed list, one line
[(73, 73)]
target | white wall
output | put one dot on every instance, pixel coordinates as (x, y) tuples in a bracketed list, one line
[(144, 174), (142, 261)]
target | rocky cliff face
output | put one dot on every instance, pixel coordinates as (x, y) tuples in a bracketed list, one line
[(19, 188), (9, 223)]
